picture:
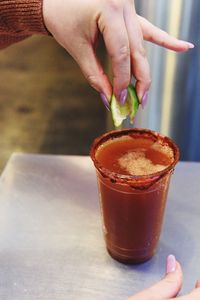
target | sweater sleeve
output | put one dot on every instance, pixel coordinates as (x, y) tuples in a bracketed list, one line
[(20, 19)]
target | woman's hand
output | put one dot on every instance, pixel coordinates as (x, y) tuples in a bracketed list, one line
[(76, 24), (169, 286)]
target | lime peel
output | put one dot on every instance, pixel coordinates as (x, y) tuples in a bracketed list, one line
[(128, 109)]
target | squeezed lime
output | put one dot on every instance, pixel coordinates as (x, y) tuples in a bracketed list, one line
[(128, 109)]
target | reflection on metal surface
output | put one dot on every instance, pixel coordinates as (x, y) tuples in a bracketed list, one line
[(51, 242), (174, 107)]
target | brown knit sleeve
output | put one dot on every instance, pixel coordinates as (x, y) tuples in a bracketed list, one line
[(20, 19)]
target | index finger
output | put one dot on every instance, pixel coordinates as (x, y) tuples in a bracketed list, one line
[(160, 37)]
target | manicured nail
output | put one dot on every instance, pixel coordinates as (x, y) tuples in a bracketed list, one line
[(144, 99), (191, 46), (171, 264), (123, 96), (105, 101)]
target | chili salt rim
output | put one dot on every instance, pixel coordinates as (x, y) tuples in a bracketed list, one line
[(127, 132)]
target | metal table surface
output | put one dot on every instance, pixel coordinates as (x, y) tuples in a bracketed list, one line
[(51, 243)]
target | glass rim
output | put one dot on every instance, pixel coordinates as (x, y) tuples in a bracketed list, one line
[(127, 131)]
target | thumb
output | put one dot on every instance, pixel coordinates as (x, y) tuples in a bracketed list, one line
[(93, 70), (166, 288)]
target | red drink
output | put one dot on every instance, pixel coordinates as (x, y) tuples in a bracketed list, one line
[(133, 170)]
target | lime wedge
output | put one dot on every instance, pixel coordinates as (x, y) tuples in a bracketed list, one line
[(128, 109)]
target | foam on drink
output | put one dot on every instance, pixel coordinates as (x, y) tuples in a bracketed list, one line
[(136, 162), (132, 155)]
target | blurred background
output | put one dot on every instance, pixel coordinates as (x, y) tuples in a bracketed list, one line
[(46, 105), (174, 100)]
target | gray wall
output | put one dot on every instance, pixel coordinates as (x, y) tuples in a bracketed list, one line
[(174, 100)]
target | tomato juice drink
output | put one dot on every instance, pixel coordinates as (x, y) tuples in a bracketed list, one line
[(133, 167)]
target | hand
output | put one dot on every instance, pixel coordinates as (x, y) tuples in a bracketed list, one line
[(76, 24), (169, 286)]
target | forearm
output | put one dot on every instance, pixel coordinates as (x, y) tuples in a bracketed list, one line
[(20, 19)]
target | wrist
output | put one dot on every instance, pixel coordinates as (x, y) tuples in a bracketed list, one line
[(23, 17), (48, 14)]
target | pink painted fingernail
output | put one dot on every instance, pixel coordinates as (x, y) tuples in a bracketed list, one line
[(144, 99), (123, 96), (105, 101), (171, 264), (191, 46)]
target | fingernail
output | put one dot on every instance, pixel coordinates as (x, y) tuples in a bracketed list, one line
[(144, 99), (171, 264), (105, 101), (123, 96), (191, 46)]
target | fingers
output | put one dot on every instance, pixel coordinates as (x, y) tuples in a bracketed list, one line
[(113, 29), (157, 36), (139, 62), (93, 71), (166, 288), (171, 284)]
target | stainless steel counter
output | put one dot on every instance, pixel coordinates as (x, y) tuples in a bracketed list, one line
[(51, 244)]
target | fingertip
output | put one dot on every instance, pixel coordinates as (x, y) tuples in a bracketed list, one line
[(170, 263), (173, 268), (123, 96), (120, 91), (182, 46), (145, 99), (105, 101), (187, 45), (139, 91), (191, 46), (142, 91), (106, 87)]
